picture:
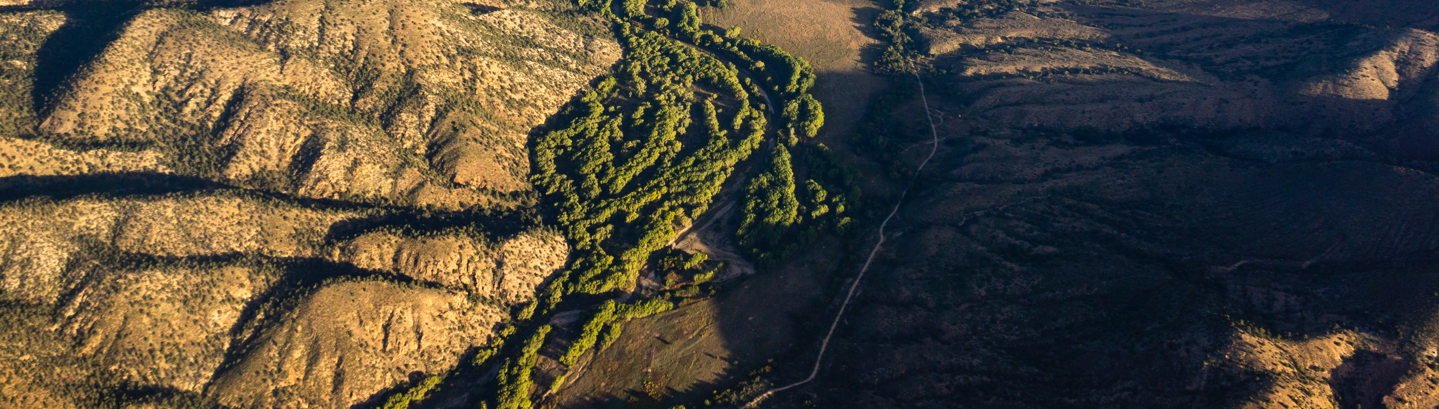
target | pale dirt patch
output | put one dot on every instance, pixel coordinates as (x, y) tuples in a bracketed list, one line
[(827, 33)]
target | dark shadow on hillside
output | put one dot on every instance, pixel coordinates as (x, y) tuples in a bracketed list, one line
[(152, 395), (87, 30), (863, 20), (20, 187), (19, 9), (1086, 287), (1286, 53), (1365, 378), (844, 95), (476, 8), (1053, 299), (1420, 14), (488, 223), (123, 184), (89, 27)]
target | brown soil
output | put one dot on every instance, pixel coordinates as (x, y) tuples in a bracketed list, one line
[(300, 203)]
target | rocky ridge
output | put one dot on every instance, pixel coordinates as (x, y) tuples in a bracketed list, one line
[(295, 203)]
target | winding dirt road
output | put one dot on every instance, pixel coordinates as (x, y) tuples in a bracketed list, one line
[(855, 284)]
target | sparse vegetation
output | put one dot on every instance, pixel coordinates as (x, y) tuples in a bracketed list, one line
[(204, 201), (610, 314), (214, 186)]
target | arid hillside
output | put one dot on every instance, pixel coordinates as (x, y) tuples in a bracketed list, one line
[(1148, 204), (1316, 71), (302, 203), (653, 203)]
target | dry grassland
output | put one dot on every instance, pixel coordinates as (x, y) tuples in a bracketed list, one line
[(687, 353), (830, 34)]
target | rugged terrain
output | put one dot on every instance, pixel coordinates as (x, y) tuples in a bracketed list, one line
[(1166, 204), (424, 203), (288, 204)]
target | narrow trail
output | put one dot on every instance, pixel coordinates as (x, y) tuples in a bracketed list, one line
[(855, 285)]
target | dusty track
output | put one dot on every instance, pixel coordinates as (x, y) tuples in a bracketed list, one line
[(934, 147)]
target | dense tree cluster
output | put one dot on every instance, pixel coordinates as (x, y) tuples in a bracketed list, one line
[(601, 6), (621, 179), (680, 260), (611, 334), (789, 78), (645, 151), (770, 208), (894, 28), (514, 377), (780, 218), (589, 333), (805, 113), (610, 314), (633, 8), (418, 392)]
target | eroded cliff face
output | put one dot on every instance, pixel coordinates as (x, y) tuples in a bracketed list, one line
[(289, 204)]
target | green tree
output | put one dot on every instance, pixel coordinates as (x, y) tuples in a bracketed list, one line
[(416, 393), (514, 379), (591, 330), (770, 207), (690, 18)]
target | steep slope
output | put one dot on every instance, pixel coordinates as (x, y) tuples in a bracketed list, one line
[(345, 342), (46, 240), (330, 194), (291, 96), (507, 271)]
